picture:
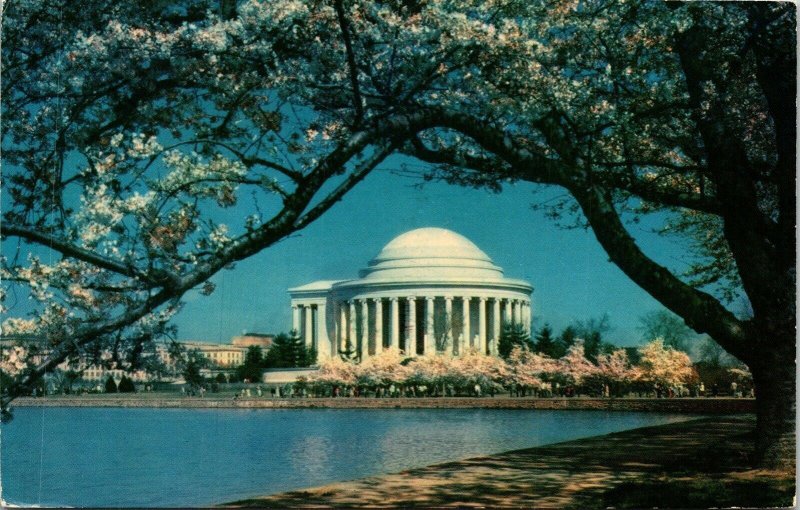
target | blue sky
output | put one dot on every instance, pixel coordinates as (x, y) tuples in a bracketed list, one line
[(570, 272)]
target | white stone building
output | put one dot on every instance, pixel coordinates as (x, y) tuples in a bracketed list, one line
[(429, 290)]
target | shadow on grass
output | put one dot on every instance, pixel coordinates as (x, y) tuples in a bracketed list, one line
[(700, 494), (682, 465)]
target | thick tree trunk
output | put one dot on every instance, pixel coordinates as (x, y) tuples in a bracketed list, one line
[(775, 385)]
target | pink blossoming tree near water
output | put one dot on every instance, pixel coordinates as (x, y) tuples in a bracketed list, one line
[(130, 132), (659, 366)]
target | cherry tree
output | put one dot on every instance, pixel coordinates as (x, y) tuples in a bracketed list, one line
[(615, 370), (663, 365), (131, 131), (682, 110), (575, 366), (148, 148), (531, 369), (334, 371), (383, 369), (475, 368)]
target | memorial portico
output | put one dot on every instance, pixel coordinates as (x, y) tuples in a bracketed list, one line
[(429, 291)]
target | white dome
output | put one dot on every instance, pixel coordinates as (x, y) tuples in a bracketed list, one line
[(431, 253)]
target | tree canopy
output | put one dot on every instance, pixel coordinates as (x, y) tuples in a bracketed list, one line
[(131, 130), (289, 350)]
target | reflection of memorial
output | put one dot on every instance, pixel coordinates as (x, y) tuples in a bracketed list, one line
[(428, 290)]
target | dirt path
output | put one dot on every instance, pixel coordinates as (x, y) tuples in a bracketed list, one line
[(700, 463)]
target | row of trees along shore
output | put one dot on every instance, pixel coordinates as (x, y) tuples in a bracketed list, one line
[(129, 128), (657, 370)]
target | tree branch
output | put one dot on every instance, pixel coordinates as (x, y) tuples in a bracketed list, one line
[(351, 62), (70, 250), (701, 311), (354, 178), (385, 134)]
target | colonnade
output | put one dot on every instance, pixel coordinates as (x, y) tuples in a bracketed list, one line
[(423, 325), (306, 322)]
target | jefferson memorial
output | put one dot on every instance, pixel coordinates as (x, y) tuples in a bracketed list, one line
[(429, 290)]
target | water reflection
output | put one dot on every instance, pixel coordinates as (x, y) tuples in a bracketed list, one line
[(309, 456), (180, 457)]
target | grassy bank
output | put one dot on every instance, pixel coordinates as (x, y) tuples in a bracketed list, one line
[(697, 464), (217, 400)]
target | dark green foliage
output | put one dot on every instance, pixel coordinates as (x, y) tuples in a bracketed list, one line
[(309, 357), (250, 370), (511, 336), (545, 343), (565, 340), (126, 385), (288, 351), (634, 356), (699, 494), (221, 378), (191, 372), (111, 386), (591, 331)]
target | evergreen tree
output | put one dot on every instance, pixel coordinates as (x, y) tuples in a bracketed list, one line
[(289, 350), (308, 357), (545, 343), (126, 385), (253, 363), (591, 331), (565, 340), (512, 335), (111, 386), (634, 356), (191, 372)]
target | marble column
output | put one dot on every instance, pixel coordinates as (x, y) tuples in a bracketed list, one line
[(430, 339), (394, 340), (352, 323), (526, 315), (465, 328), (517, 311), (378, 325), (506, 311), (364, 329), (448, 324), (496, 325), (308, 333), (482, 325), (411, 330), (321, 341), (342, 326), (296, 319)]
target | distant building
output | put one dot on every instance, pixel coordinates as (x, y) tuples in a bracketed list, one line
[(429, 290), (221, 355), (263, 340)]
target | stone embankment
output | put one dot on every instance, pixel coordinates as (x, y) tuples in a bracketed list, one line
[(662, 405)]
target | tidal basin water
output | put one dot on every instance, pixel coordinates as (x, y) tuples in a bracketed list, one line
[(193, 457)]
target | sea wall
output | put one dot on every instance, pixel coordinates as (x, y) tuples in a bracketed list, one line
[(664, 405)]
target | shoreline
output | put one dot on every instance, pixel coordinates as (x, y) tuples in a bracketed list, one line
[(699, 463), (701, 406)]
